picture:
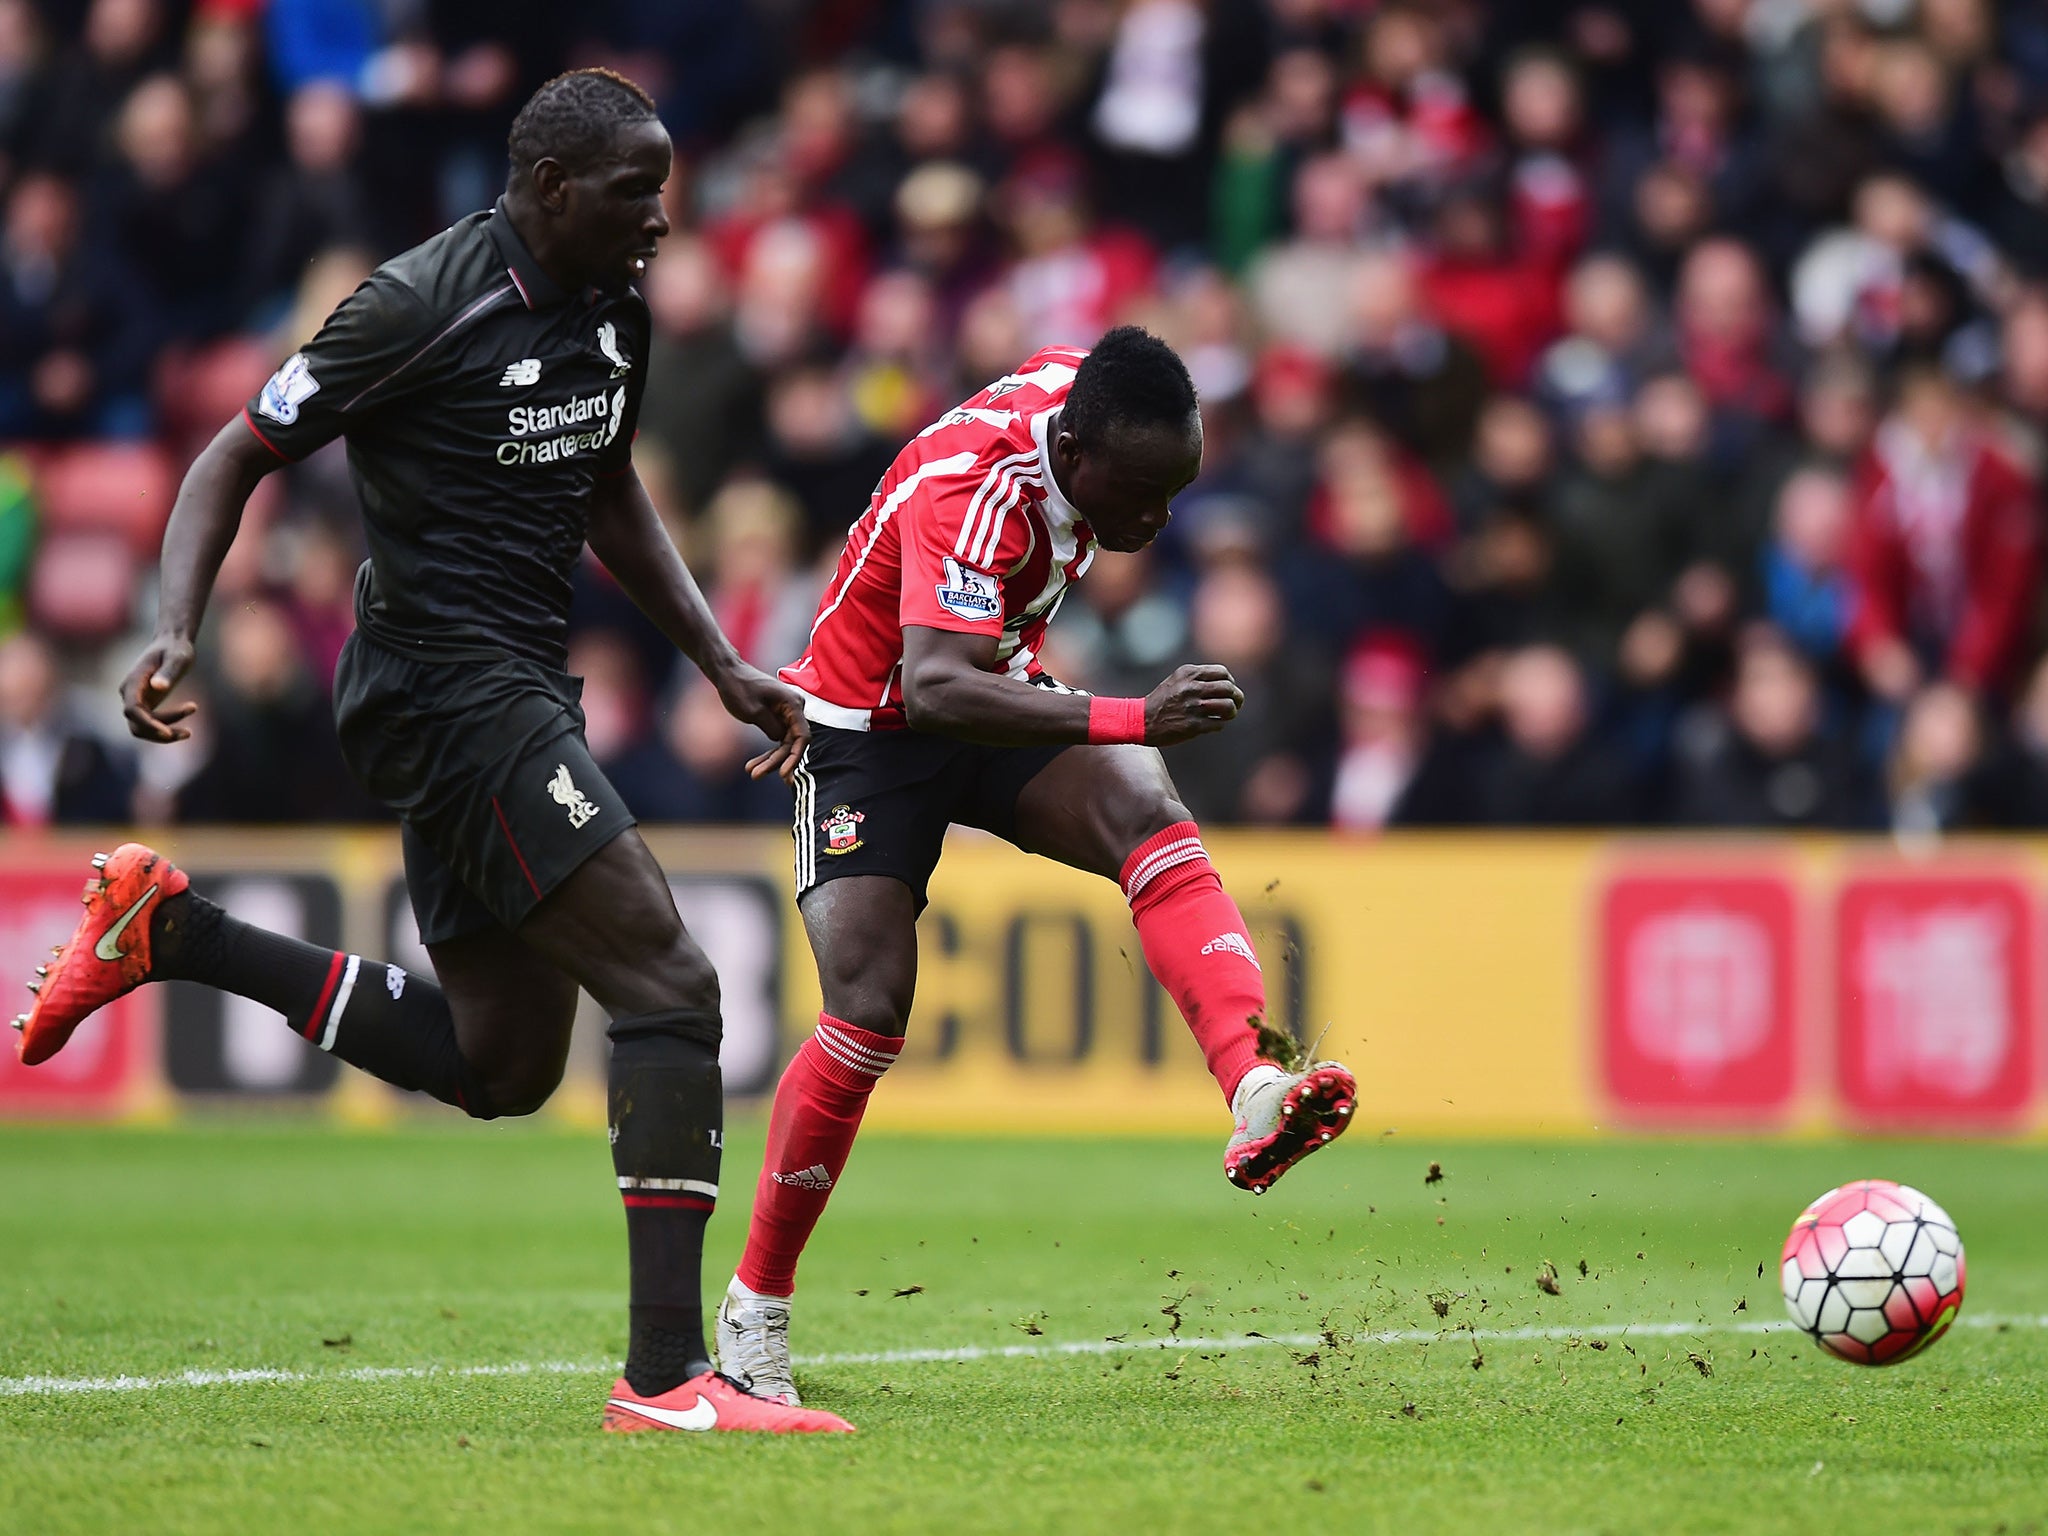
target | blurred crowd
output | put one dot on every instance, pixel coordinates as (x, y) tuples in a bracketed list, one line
[(1618, 411)]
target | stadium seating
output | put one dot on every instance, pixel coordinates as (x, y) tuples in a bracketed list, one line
[(125, 489), (79, 589)]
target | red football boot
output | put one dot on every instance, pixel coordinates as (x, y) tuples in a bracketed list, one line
[(109, 951), (712, 1401)]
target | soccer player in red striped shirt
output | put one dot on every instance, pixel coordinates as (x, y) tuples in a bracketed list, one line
[(928, 706)]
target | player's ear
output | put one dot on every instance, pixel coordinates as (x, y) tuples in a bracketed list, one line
[(550, 183), (1067, 448)]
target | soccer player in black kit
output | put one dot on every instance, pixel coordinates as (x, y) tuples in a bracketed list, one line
[(487, 383)]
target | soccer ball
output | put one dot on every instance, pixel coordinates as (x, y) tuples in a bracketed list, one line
[(1874, 1271)]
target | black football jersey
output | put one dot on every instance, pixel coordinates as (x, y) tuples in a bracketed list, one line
[(481, 403)]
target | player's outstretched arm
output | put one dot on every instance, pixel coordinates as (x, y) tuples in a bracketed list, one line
[(196, 539), (626, 533), (950, 688)]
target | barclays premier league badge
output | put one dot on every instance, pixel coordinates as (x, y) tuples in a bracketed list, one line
[(289, 387), (969, 594)]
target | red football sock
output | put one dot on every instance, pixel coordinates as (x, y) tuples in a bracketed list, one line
[(1195, 941), (818, 1107)]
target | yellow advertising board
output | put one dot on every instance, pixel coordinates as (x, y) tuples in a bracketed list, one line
[(1479, 985), (1448, 973)]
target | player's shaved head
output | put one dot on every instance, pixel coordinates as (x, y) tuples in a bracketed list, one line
[(1129, 437), (574, 119)]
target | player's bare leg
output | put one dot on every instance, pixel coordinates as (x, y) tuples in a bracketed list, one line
[(613, 926), (863, 931), (512, 1012), (1112, 810)]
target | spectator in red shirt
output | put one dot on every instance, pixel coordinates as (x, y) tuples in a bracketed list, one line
[(1502, 302), (1727, 331), (1946, 550), (1550, 196)]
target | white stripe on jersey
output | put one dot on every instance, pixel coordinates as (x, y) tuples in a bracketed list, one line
[(997, 473), (1047, 376), (1000, 420), (1000, 509), (951, 465), (824, 712)]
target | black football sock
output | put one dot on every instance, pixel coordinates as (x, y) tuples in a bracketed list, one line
[(667, 1128), (388, 1021)]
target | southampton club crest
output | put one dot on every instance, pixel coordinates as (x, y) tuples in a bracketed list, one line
[(842, 829)]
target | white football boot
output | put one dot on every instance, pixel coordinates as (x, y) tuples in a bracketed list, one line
[(1283, 1115), (753, 1342)]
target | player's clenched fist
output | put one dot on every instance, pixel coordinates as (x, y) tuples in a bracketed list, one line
[(1192, 702)]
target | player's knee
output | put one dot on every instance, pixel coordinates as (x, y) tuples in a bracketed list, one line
[(518, 1089), (1137, 818), (871, 994), (875, 1013), (689, 977), (655, 964)]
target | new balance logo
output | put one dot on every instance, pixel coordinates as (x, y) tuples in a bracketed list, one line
[(1232, 944), (563, 791), (813, 1177), (520, 374)]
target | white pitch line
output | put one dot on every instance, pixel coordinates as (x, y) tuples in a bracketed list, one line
[(34, 1386)]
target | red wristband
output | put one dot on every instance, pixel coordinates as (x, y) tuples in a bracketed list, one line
[(1114, 721)]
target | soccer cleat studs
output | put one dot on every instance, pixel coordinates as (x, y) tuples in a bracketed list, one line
[(99, 861)]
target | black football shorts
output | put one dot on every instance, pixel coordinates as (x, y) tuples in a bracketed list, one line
[(485, 763), (879, 802)]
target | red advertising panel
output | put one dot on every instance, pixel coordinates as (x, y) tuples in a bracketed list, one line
[(96, 1071), (1935, 989), (1697, 995)]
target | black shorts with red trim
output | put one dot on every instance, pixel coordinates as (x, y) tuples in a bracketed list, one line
[(485, 763), (879, 802)]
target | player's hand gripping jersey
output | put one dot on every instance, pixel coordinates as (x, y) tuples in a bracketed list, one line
[(968, 532)]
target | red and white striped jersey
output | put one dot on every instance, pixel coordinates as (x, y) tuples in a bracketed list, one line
[(966, 532)]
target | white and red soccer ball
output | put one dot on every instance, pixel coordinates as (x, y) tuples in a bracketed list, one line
[(1874, 1271)]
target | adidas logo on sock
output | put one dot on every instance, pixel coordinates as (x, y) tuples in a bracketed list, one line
[(1232, 944), (813, 1177)]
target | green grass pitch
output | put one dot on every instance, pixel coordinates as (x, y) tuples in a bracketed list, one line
[(371, 1272)]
